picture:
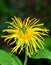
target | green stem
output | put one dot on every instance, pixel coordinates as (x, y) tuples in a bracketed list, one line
[(26, 58)]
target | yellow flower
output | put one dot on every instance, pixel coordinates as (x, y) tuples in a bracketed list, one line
[(27, 34)]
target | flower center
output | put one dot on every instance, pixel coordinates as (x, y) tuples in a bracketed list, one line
[(25, 33), (23, 29)]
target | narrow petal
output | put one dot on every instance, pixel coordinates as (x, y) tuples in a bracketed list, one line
[(39, 24), (12, 24), (10, 30), (27, 21), (14, 21), (32, 21), (34, 45), (18, 21), (40, 41)]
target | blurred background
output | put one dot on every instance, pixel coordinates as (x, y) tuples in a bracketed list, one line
[(27, 8)]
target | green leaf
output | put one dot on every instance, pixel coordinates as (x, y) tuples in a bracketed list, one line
[(8, 58), (42, 54), (48, 43)]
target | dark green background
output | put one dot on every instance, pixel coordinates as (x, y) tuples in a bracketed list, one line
[(23, 8)]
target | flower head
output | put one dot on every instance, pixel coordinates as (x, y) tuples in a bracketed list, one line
[(27, 34)]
